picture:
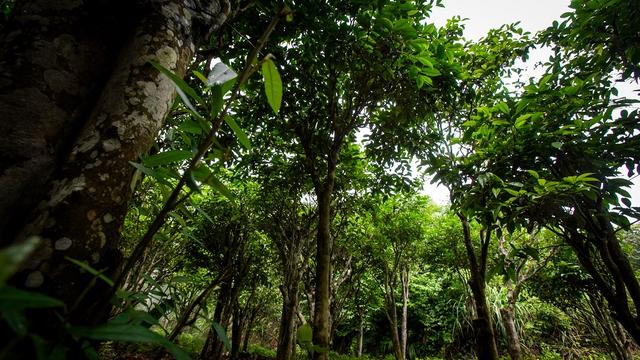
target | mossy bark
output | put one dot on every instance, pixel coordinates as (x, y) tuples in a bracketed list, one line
[(79, 101)]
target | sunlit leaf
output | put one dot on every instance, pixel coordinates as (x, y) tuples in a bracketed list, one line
[(242, 137), (167, 157), (272, 84)]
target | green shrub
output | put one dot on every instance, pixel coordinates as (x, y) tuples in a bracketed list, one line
[(262, 351)]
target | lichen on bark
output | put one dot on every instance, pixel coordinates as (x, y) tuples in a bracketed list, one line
[(91, 131)]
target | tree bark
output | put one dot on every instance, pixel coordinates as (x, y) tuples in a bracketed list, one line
[(513, 339), (236, 332), (486, 348), (187, 314), (322, 315), (391, 312), (214, 348), (88, 104), (360, 335), (404, 277), (286, 337), (613, 331)]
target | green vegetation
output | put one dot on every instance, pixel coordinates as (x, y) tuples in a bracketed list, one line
[(245, 183)]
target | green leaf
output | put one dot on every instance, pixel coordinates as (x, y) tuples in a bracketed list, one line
[(217, 101), (204, 175), (127, 333), (305, 334), (557, 145), (182, 87), (242, 137), (503, 107), (404, 28), (272, 84), (16, 321), (154, 174), (222, 335), (534, 173), (15, 299), (384, 22), (190, 126), (191, 182), (167, 157), (220, 187), (431, 72), (521, 120), (91, 270), (12, 256), (201, 76)]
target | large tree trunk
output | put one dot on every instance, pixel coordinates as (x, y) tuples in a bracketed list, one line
[(485, 337), (79, 100)]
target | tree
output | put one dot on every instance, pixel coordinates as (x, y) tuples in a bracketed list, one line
[(84, 102), (379, 59), (550, 157), (450, 159), (288, 222), (399, 228), (519, 259)]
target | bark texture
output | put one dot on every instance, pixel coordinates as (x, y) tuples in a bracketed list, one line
[(486, 348), (322, 315), (390, 282), (513, 339), (404, 277), (84, 102)]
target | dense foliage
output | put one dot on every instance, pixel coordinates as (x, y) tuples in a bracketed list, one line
[(279, 213)]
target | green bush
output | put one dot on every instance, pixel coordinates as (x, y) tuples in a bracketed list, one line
[(262, 351), (192, 343)]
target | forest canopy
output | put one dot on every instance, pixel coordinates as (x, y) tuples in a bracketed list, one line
[(244, 180)]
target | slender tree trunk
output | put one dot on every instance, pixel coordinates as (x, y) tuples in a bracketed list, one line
[(404, 277), (613, 331), (513, 339), (79, 114), (236, 332), (486, 348), (360, 334), (395, 336), (248, 330), (391, 312), (286, 336), (322, 316), (187, 314), (214, 347)]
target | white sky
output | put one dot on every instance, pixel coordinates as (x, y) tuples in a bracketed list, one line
[(533, 15)]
